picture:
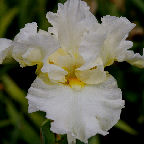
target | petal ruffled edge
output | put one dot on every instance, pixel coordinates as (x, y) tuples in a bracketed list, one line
[(5, 45), (55, 73), (82, 114), (92, 72), (69, 25), (32, 46), (135, 59)]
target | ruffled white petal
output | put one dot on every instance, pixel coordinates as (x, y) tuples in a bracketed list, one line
[(55, 73), (28, 31), (108, 40), (80, 114), (121, 26), (92, 72), (31, 47), (115, 45), (5, 45), (70, 22), (64, 60), (123, 49), (135, 59), (91, 44), (92, 76)]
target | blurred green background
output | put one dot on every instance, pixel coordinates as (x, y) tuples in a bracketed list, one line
[(19, 127)]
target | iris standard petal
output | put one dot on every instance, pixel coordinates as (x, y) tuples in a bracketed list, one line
[(70, 22), (117, 30)]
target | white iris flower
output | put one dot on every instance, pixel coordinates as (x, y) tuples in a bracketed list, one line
[(72, 87)]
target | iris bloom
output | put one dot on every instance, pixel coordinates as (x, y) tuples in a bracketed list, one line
[(72, 86)]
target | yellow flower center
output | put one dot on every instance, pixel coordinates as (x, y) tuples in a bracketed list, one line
[(69, 63), (75, 83)]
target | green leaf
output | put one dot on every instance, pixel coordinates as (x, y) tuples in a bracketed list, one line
[(15, 136), (23, 12), (12, 113), (79, 142), (14, 91), (6, 67), (19, 96), (141, 119), (29, 134), (131, 96), (3, 8), (37, 118), (125, 127), (107, 8), (139, 4), (94, 140), (47, 137), (26, 131), (43, 22), (6, 20), (4, 123)]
